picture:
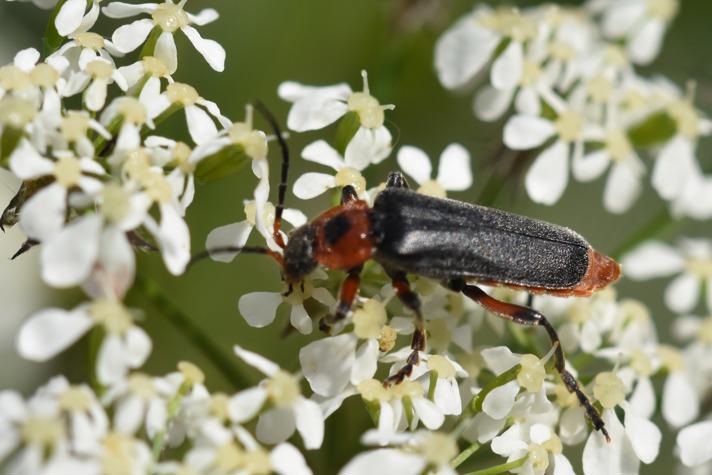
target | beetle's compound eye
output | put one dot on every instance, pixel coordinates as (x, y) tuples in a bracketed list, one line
[(299, 258)]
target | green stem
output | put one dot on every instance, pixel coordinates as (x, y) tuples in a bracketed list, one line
[(655, 226), (192, 332), (503, 468), (172, 410), (433, 382), (464, 455)]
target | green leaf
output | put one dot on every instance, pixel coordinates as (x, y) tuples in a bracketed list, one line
[(348, 126), (656, 129), (221, 164)]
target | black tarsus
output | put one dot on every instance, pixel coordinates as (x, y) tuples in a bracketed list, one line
[(348, 194), (530, 317), (26, 246), (269, 117)]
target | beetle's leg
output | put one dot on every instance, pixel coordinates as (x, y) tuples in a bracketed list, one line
[(348, 194), (411, 300), (396, 180), (528, 316), (349, 289)]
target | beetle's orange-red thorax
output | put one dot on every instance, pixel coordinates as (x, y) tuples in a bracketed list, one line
[(343, 236)]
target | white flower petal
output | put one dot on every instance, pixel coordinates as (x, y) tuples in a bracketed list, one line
[(652, 259), (511, 441), (27, 163), (508, 67), (368, 146), (43, 215), (275, 426), (138, 346), (204, 17), (230, 235), (547, 178), (603, 458), (200, 125), (645, 44), (462, 51), (292, 91), (294, 217), (267, 367), (415, 163), (499, 359), (129, 415), (491, 103), (642, 401), (312, 184), (384, 462), (682, 293), (447, 396), (681, 405), (111, 365), (499, 402), (211, 50), (259, 309), (694, 443), (315, 111), (26, 59), (622, 188), (454, 172), (324, 154), (300, 319), (527, 101), (327, 363), (674, 165), (287, 460), (366, 362), (310, 423), (589, 167), (68, 259), (166, 51), (522, 132), (245, 405), (126, 10), (70, 16), (127, 38), (644, 436), (51, 331)]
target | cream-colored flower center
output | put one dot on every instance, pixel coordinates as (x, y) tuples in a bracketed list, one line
[(115, 203), (438, 448), (350, 176), (155, 67), (608, 389), (634, 311), (67, 171), (117, 458), (170, 17), (13, 78), (142, 386), (373, 390), (704, 334), (671, 358), (569, 125), (440, 334), (115, 318), (44, 75), (663, 9), (137, 163), (16, 112), (370, 111), (641, 363), (42, 431), (532, 373), (156, 186), (301, 292), (369, 320), (181, 93), (219, 403), (75, 399), (90, 40), (618, 145), (99, 69), (600, 88), (387, 338), (256, 462), (564, 397), (432, 188), (472, 363), (510, 22), (554, 444), (181, 155), (268, 213), (686, 118), (283, 389), (228, 458), (132, 110), (442, 366), (191, 373), (530, 73), (74, 126), (538, 458), (700, 267), (407, 388), (561, 51), (253, 142), (616, 56)]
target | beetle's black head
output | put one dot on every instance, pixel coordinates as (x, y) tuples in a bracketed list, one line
[(299, 258)]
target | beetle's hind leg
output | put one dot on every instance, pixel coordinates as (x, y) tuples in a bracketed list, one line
[(411, 300), (529, 316), (349, 290)]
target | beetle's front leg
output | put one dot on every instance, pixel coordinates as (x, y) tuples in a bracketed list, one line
[(349, 289), (530, 317), (411, 300)]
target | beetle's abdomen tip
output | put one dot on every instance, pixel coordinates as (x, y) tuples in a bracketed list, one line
[(602, 271)]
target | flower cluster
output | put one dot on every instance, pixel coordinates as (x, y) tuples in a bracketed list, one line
[(80, 129)]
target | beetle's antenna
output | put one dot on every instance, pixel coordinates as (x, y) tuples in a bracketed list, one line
[(269, 117), (234, 249)]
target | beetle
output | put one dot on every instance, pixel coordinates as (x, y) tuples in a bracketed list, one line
[(461, 245)]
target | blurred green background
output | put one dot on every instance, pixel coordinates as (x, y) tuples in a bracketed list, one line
[(324, 42)]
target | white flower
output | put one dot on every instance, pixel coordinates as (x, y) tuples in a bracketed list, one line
[(132, 116), (446, 394), (384, 462), (73, 17), (454, 172), (169, 18), (290, 410), (82, 49), (538, 443), (316, 107), (170, 153), (642, 23), (137, 401), (547, 178), (348, 171), (691, 261), (693, 444), (50, 331)]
